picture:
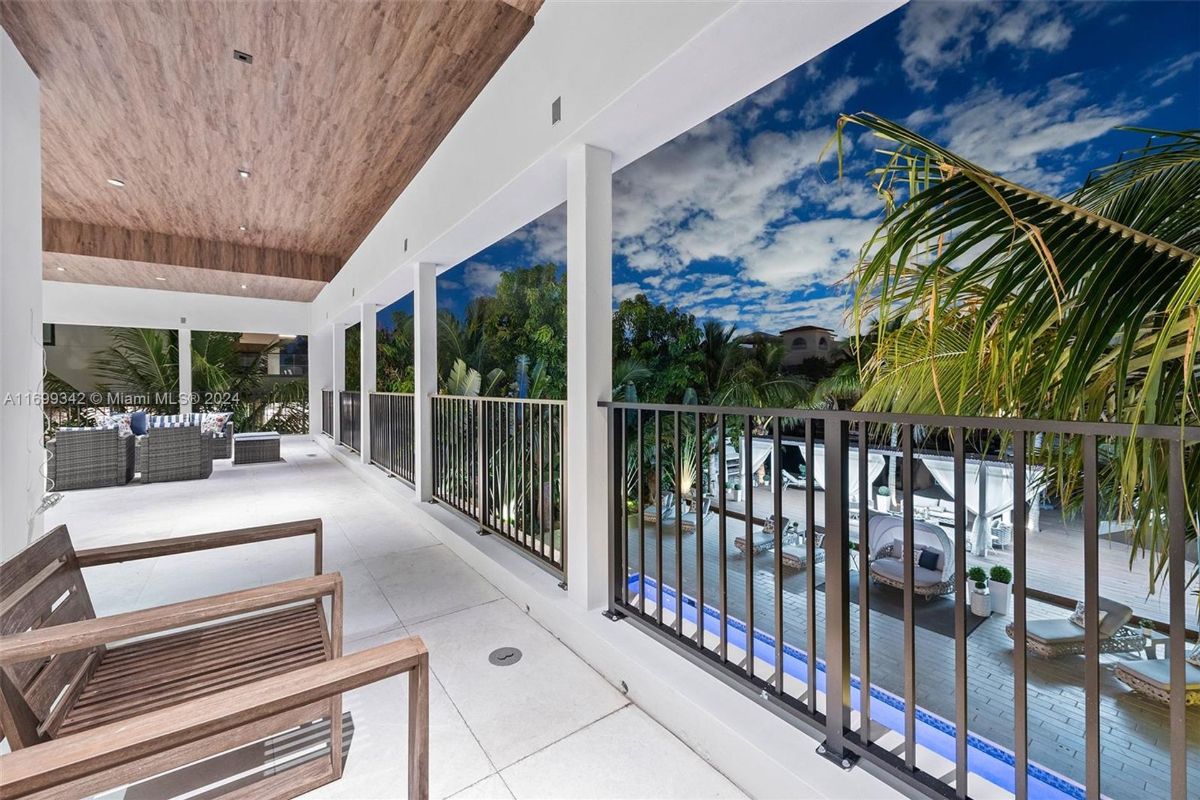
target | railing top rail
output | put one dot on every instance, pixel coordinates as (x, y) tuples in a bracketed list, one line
[(1013, 424), (523, 400), (393, 394)]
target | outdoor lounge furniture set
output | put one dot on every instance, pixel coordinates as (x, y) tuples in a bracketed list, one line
[(794, 552), (89, 704), (152, 449), (687, 519)]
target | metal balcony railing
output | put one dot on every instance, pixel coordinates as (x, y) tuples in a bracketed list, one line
[(393, 434), (327, 412), (349, 420), (854, 622), (500, 462)]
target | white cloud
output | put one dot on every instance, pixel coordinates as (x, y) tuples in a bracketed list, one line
[(832, 100), (626, 291), (936, 36), (481, 278), (804, 253), (1166, 72), (1011, 134)]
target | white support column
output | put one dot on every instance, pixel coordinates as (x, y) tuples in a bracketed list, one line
[(185, 370), (589, 371), (366, 375), (425, 374), (339, 377), (320, 374)]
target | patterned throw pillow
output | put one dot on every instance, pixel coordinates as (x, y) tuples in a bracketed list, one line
[(118, 421), (214, 423), (1077, 616)]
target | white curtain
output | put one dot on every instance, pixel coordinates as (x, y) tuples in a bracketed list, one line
[(875, 465), (989, 489)]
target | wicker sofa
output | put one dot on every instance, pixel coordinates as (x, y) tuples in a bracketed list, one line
[(89, 458)]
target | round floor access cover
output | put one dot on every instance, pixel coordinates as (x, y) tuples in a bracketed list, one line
[(504, 656)]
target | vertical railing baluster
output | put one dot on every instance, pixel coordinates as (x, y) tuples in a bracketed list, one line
[(1091, 616), (658, 505), (1177, 620), (837, 591), (678, 528), (961, 779), (701, 494), (624, 507), (910, 636), (641, 516), (810, 577), (864, 585), (1020, 685), (616, 470), (722, 555), (748, 487), (777, 497)]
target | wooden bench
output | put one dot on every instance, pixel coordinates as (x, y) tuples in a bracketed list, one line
[(89, 704)]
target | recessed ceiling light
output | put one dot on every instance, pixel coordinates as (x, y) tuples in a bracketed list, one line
[(241, 227), (243, 286), (62, 269), (115, 182), (243, 173), (158, 278)]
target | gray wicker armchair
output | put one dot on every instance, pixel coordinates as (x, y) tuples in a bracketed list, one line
[(89, 458), (175, 454)]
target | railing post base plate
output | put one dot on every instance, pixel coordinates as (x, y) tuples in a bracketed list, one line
[(614, 615), (483, 532), (562, 585), (846, 760)]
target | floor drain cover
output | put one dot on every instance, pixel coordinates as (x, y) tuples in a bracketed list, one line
[(505, 656)]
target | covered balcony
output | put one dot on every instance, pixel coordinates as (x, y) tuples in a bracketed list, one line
[(273, 528)]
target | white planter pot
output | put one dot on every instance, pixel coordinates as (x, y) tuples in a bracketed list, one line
[(981, 604), (1000, 593), (883, 503)]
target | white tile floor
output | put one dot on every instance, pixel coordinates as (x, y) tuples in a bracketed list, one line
[(546, 727)]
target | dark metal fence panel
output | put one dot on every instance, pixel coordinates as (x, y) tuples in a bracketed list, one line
[(393, 434), (327, 412), (350, 433), (500, 461), (869, 667)]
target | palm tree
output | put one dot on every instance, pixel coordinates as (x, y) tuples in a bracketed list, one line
[(995, 299), (144, 363)]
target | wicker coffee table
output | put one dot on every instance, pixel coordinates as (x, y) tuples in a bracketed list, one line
[(255, 448)]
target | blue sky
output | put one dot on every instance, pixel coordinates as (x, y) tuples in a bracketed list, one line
[(736, 221)]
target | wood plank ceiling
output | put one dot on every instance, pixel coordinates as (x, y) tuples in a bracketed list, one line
[(339, 109)]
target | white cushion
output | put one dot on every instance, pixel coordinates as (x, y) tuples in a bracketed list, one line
[(894, 568)]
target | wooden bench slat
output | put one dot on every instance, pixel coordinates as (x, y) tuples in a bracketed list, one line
[(198, 664), (123, 659), (118, 627), (76, 756), (204, 541), (101, 713)]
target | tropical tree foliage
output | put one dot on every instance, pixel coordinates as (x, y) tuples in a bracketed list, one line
[(144, 363), (992, 298)]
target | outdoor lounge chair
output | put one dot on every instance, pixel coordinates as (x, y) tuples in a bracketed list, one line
[(1051, 638), (89, 703), (762, 538), (687, 520), (886, 546), (1153, 678), (650, 513), (791, 479)]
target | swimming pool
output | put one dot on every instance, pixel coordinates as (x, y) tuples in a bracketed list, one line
[(985, 758)]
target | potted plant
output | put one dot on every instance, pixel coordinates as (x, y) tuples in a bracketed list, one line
[(981, 604), (1147, 626), (1000, 586), (883, 499)]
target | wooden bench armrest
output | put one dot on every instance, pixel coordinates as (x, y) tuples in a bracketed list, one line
[(47, 641), (80, 755), (203, 541)]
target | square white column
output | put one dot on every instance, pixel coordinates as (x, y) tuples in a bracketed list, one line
[(425, 374), (366, 375), (339, 377), (185, 370), (320, 374), (589, 371)]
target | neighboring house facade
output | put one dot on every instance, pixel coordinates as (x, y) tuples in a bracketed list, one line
[(807, 341)]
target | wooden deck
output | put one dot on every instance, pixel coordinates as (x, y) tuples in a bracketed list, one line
[(1135, 731)]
